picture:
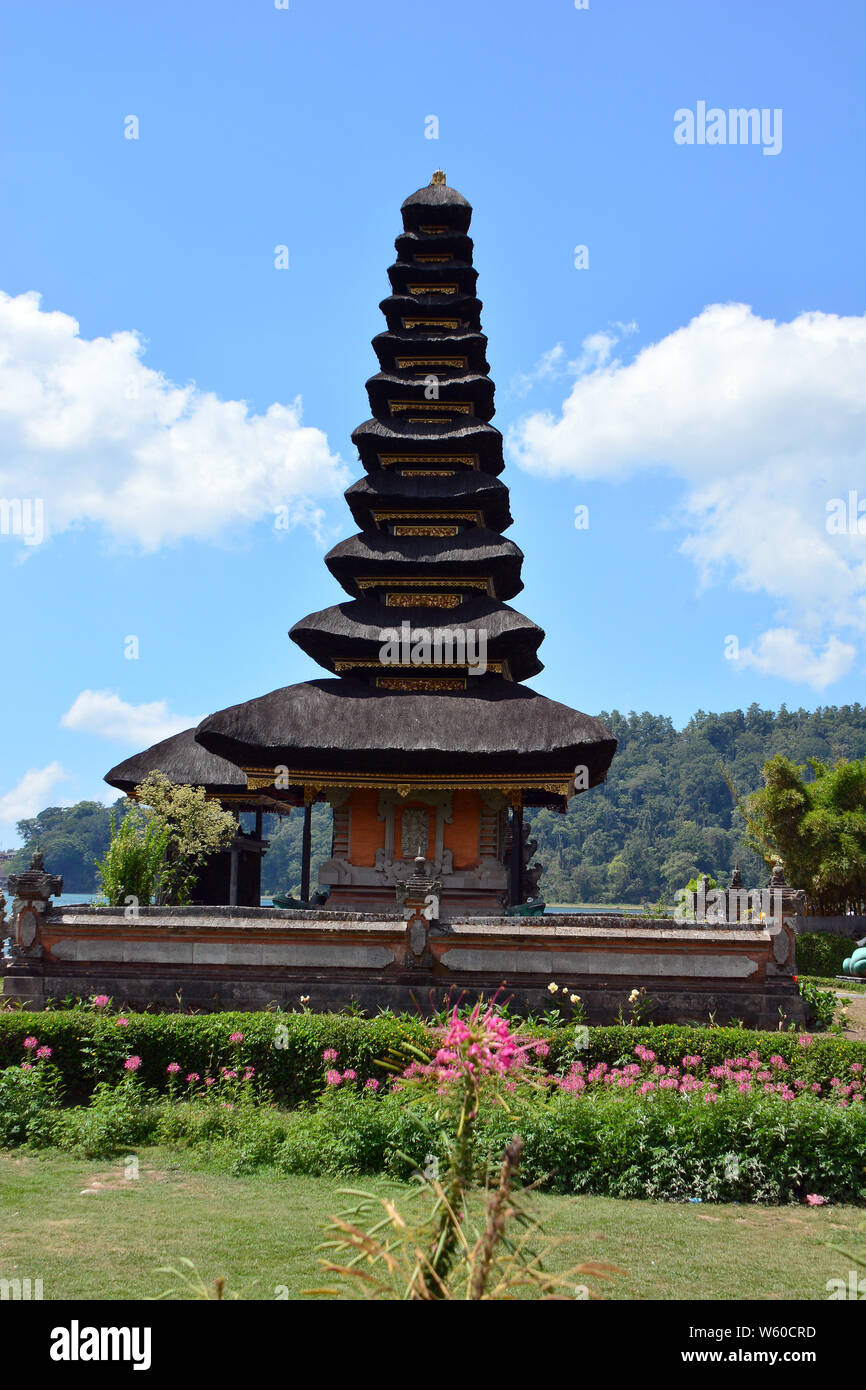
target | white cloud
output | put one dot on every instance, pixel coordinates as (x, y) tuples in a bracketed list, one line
[(103, 712), (104, 439), (764, 423), (780, 652), (31, 794)]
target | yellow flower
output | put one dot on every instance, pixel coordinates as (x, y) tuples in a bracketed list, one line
[(552, 987)]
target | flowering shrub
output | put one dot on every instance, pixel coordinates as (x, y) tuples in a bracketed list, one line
[(745, 1074)]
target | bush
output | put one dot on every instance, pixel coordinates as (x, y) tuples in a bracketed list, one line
[(286, 1049), (821, 953), (29, 1105)]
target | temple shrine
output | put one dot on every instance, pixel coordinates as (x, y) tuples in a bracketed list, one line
[(422, 737)]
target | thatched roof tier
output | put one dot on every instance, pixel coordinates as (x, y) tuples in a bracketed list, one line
[(494, 728), (397, 398), (398, 353), (424, 313), (455, 245), (355, 630), (437, 205), (470, 443), (448, 278), (475, 553), (185, 762), (393, 490)]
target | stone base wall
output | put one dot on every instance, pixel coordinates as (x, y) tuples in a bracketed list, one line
[(250, 958)]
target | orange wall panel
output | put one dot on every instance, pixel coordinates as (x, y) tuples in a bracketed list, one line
[(366, 831), (462, 835)]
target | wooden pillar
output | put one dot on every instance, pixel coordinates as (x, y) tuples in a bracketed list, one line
[(517, 851), (259, 823), (233, 879), (306, 844)]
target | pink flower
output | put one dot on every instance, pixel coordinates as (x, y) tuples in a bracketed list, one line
[(541, 1049), (210, 1081), (229, 1075), (193, 1076), (100, 1001), (236, 1037), (132, 1063), (813, 1200), (804, 1040), (121, 1023), (350, 1075), (43, 1052), (333, 1078), (26, 1066), (249, 1072), (371, 1085), (31, 1043), (329, 1055), (173, 1067)]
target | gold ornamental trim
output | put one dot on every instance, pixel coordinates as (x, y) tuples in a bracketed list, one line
[(452, 407), (557, 784), (404, 363), (403, 530), (409, 600), (400, 460), (432, 289), (430, 515), (430, 323), (428, 472), (351, 664), (432, 231), (419, 683), (427, 258), (402, 582)]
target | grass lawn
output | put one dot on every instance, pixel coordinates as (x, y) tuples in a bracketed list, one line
[(88, 1231)]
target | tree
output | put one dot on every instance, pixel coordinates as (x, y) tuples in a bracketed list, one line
[(817, 827)]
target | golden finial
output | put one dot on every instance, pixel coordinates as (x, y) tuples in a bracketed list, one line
[(438, 176)]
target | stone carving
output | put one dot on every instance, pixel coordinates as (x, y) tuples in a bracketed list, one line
[(414, 829), (33, 889)]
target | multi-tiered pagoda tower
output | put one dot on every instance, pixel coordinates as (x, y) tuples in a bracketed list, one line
[(423, 735)]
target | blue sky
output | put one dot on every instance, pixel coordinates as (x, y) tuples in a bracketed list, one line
[(706, 439)]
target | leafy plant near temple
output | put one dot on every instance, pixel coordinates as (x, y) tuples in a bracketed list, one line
[(197, 827), (132, 864), (817, 826), (167, 833)]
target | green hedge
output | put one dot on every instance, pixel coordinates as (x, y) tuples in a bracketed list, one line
[(821, 953), (286, 1049)]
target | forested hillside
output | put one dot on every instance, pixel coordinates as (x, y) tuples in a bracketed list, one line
[(664, 814)]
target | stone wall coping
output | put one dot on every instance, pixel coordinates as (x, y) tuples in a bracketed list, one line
[(609, 928), (67, 923), (157, 915)]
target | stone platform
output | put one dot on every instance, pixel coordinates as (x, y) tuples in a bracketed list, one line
[(250, 958)]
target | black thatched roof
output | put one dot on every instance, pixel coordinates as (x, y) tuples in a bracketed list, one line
[(471, 436), (401, 311), (495, 727), (436, 205), (472, 347), (355, 629), (385, 387), (475, 553), (184, 762), (396, 490)]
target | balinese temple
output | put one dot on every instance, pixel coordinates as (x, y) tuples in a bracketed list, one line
[(234, 875), (422, 737)]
